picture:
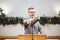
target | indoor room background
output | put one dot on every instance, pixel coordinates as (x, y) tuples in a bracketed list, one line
[(18, 8)]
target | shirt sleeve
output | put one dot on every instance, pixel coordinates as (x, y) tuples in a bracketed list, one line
[(25, 22)]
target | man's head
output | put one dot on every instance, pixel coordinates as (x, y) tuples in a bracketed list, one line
[(31, 12)]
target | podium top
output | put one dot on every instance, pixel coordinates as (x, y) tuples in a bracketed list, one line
[(31, 34)]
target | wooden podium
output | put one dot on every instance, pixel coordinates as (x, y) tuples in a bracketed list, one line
[(29, 37)]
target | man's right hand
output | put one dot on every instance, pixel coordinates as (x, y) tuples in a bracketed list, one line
[(32, 21)]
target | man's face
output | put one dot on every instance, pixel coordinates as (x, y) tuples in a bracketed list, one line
[(31, 13)]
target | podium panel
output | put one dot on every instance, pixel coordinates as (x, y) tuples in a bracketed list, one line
[(30, 37)]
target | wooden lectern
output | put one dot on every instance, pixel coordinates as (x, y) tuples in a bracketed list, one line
[(29, 37)]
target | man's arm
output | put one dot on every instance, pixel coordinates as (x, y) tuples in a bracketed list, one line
[(30, 22), (25, 22)]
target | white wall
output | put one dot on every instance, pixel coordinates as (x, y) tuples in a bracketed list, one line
[(19, 8)]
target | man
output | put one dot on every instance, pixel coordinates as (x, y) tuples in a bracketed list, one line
[(32, 25)]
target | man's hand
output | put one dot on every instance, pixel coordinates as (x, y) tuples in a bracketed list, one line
[(32, 21)]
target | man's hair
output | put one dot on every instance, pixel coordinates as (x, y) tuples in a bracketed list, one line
[(30, 8)]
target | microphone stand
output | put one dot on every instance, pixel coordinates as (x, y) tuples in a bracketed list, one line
[(32, 28), (32, 34)]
